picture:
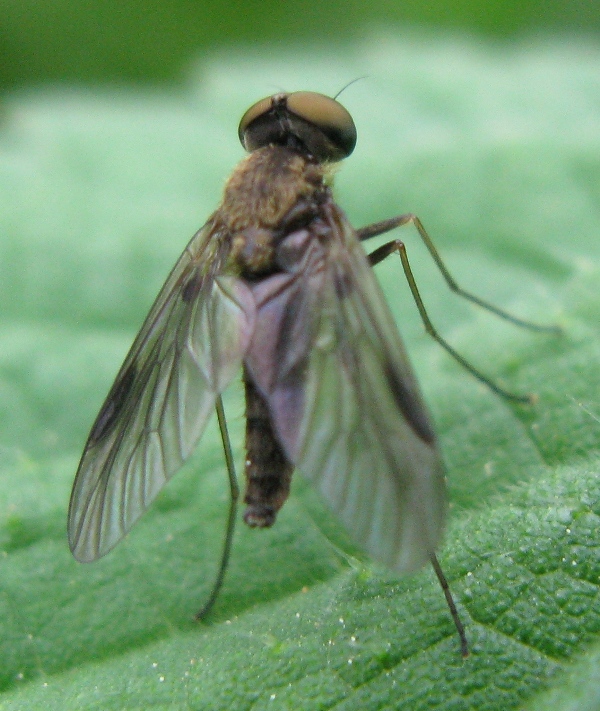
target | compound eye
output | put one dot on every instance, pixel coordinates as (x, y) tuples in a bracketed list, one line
[(305, 121), (255, 111), (328, 115)]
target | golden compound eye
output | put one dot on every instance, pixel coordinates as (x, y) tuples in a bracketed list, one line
[(257, 110), (304, 121), (328, 115)]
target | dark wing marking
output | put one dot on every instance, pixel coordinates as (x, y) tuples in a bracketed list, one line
[(187, 351), (345, 403)]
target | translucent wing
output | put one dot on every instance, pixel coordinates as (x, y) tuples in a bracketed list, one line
[(344, 400), (188, 350)]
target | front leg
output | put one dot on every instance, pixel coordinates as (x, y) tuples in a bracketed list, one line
[(379, 228), (398, 246)]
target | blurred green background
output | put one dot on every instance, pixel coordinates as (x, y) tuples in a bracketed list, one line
[(489, 134), (153, 41)]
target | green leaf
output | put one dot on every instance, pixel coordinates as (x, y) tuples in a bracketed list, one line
[(498, 152)]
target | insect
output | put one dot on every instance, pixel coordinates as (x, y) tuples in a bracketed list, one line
[(277, 284)]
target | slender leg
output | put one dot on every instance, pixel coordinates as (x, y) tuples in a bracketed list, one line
[(235, 492), (464, 645), (379, 228), (398, 246)]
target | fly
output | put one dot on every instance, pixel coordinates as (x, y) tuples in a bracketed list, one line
[(277, 284)]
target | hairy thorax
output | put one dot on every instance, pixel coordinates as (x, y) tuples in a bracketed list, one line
[(268, 193)]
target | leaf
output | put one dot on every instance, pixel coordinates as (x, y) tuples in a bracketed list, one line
[(497, 152)]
